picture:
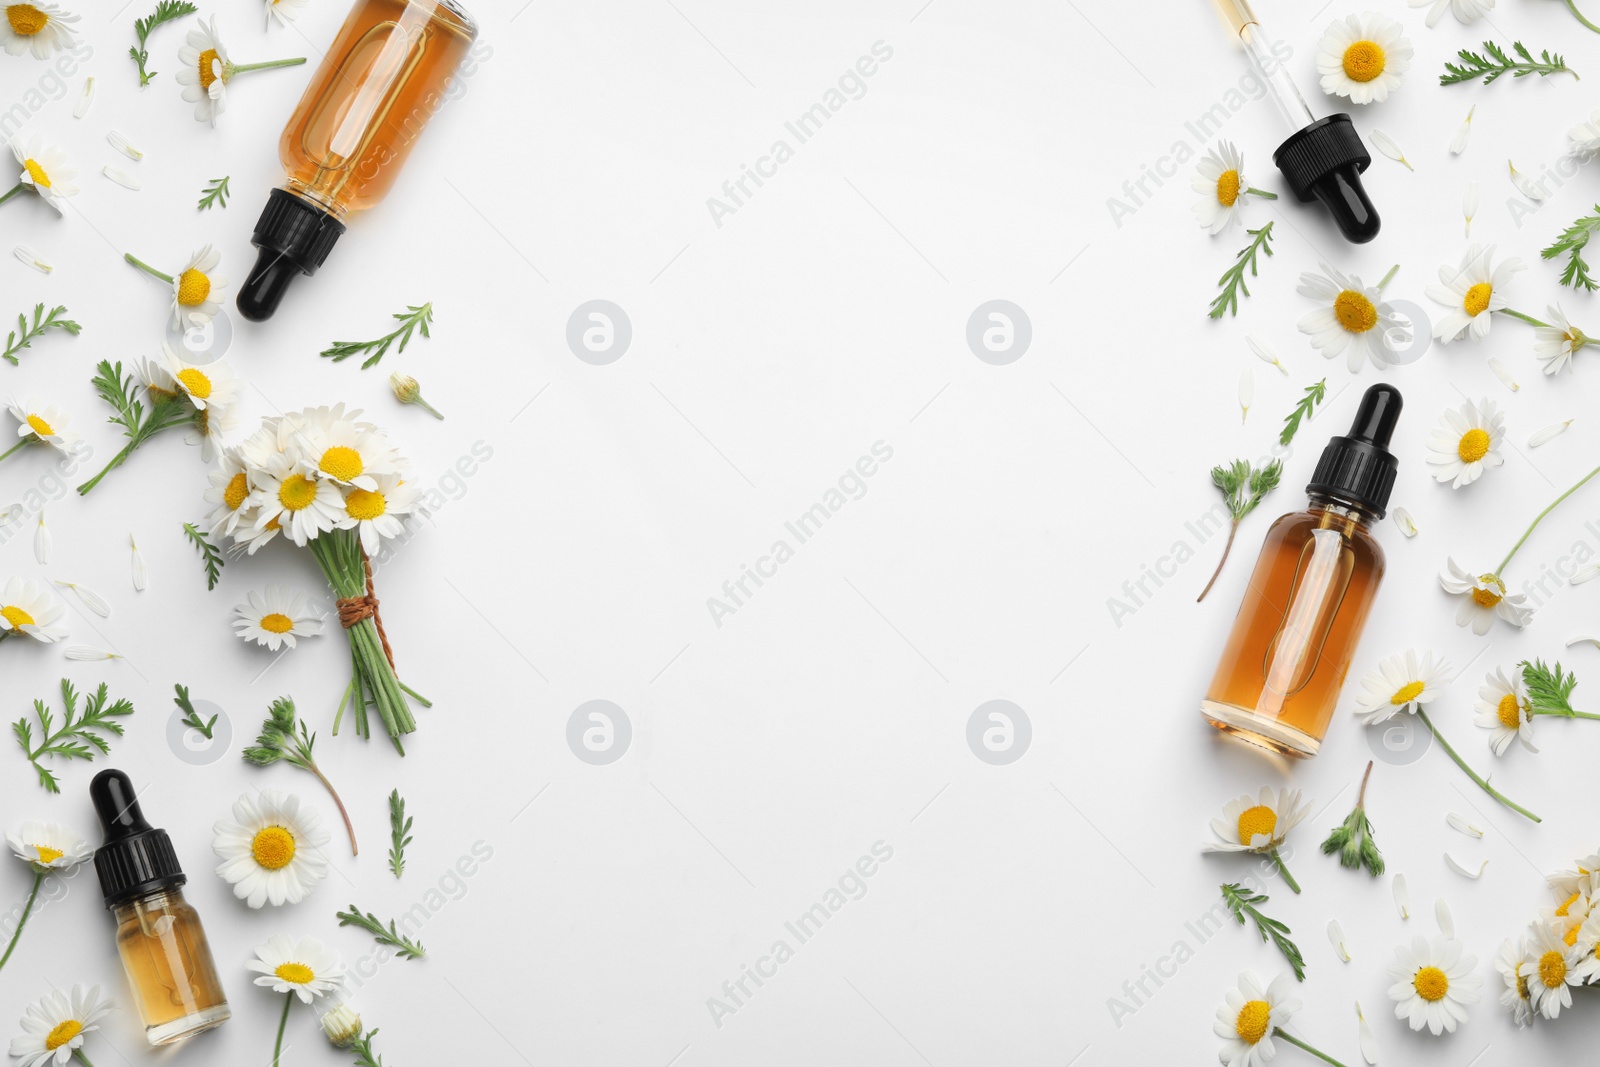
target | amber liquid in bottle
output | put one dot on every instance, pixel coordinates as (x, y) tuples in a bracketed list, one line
[(169, 966)]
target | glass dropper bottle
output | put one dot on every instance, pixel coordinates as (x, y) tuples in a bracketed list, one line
[(1323, 158)]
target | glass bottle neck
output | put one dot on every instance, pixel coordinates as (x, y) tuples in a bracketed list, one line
[(1342, 509)]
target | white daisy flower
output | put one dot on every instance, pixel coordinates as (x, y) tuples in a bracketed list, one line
[(1465, 11), (1433, 983), (54, 1028), (48, 846), (1251, 1016), (1362, 57), (284, 11), (205, 386), (1551, 970), (1466, 443), (272, 849), (1473, 291), (249, 538), (1257, 824), (29, 609), (275, 617), (1402, 682), (381, 512), (1503, 709), (306, 968), (37, 27), (212, 426), (230, 489), (46, 424), (303, 504), (1483, 597), (1353, 319), (194, 287), (45, 169), (346, 451), (1221, 182), (1557, 343), (1512, 964), (1583, 879), (204, 76), (1583, 939)]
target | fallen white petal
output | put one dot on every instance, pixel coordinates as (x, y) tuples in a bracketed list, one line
[(1504, 375), (1336, 935), (91, 600), (41, 541), (1524, 184), (1264, 353), (123, 145), (1386, 145), (32, 259), (9, 515), (1469, 205), (88, 653), (1584, 574), (141, 575), (1593, 639), (1450, 861), (1402, 896), (1458, 143), (1402, 518), (1369, 1044), (1549, 433), (122, 178), (85, 98), (1447, 922), (1459, 822), (1247, 393)]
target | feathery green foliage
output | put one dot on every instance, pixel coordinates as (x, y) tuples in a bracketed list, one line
[(1242, 902), (1232, 282), (79, 736)]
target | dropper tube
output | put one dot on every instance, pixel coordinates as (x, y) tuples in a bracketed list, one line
[(1280, 86)]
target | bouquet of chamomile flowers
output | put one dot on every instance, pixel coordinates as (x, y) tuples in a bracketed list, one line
[(1559, 951), (325, 480)]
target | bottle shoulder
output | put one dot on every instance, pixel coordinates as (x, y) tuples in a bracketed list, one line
[(1299, 526)]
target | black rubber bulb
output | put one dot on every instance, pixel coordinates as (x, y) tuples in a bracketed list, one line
[(1376, 417), (117, 805)]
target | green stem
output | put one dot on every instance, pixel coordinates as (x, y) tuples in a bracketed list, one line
[(27, 909), (241, 68), (9, 193), (1529, 319), (343, 814), (1540, 518), (277, 1049), (1564, 714), (1279, 1031), (1227, 548), (1573, 7), (116, 461), (16, 447), (78, 1053), (147, 268), (429, 408), (1482, 784), (1262, 193), (1387, 278), (1283, 871)]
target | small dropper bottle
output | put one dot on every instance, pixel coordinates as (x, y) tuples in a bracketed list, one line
[(1308, 598), (159, 936), (390, 69)]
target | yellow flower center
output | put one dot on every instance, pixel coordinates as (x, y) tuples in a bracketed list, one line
[(48, 855), (1363, 61), (36, 172), (40, 427), (364, 505), (1406, 693), (1257, 820), (297, 492), (1477, 299), (1571, 936), (207, 75), (1228, 188), (193, 288), (238, 489), (1509, 712), (195, 380), (15, 617), (298, 973), (1474, 445), (1354, 311), (273, 847), (1566, 905), (1251, 1025), (1430, 983), (277, 623), (26, 20), (341, 463), (274, 524), (61, 1033), (1552, 969)]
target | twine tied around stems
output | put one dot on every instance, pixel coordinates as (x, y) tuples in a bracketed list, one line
[(354, 609)]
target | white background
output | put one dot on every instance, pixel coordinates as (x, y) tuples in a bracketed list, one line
[(769, 353)]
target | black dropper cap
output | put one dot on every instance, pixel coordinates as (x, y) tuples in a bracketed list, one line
[(1359, 468), (294, 236), (136, 858), (1324, 162)]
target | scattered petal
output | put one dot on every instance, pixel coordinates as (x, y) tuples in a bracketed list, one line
[(90, 654), (1503, 374), (1402, 518), (1247, 393), (1458, 143), (1584, 574), (1386, 145), (85, 98), (123, 145), (1469, 205), (1447, 922), (41, 541), (91, 600), (1336, 935), (1402, 896), (1369, 1044), (29, 257), (141, 575), (1450, 861), (122, 178), (1525, 185), (1460, 823), (1264, 353), (1549, 433)]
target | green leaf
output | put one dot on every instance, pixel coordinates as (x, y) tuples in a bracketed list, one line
[(191, 718), (79, 737), (1572, 241), (166, 11), (403, 946), (1303, 410), (1549, 689), (210, 553), (1232, 281), (362, 1047), (1242, 902), (399, 832), (1496, 63), (215, 193), (24, 335), (414, 318)]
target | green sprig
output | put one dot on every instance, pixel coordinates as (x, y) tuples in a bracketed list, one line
[(1232, 281), (215, 193), (399, 832), (1353, 840), (121, 394), (191, 718), (282, 738), (79, 736), (24, 335), (166, 11), (1243, 487), (362, 1047), (384, 935), (1550, 690), (1242, 902), (1497, 63), (209, 553), (1572, 242), (1303, 409), (418, 317)]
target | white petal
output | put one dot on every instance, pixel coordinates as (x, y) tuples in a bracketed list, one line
[(89, 654), (141, 574), (1460, 823), (1369, 1044), (1524, 184), (1402, 896), (1504, 375), (1581, 575), (1469, 205), (1450, 861), (1549, 433), (1336, 935), (1402, 518), (121, 177), (122, 144), (91, 600), (1247, 393), (32, 259), (1263, 352), (1447, 922), (81, 108), (1385, 144), (1458, 143), (41, 541)]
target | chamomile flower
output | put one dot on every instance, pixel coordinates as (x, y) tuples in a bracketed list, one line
[(1362, 57), (1503, 709), (1582, 879), (1584, 939), (48, 846), (303, 504), (1473, 291), (206, 386), (1484, 597), (341, 1024), (1402, 682), (44, 424), (272, 849), (1221, 183), (346, 451), (1467, 442), (1352, 319), (207, 70), (1557, 343), (1250, 1017), (192, 288), (1433, 983), (305, 967), (1257, 824), (55, 1028), (276, 617), (44, 170), (380, 512), (1511, 962), (1465, 11), (212, 426), (29, 609), (229, 492), (1551, 970), (284, 11), (37, 27)]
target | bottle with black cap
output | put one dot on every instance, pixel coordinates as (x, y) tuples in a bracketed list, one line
[(159, 936), (1308, 598)]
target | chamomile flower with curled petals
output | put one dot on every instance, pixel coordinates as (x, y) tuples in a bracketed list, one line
[(1511, 962), (48, 846), (1353, 319), (1557, 343), (46, 424), (306, 967), (204, 74), (1551, 970), (1467, 442), (272, 850), (195, 286), (1250, 1017), (380, 512), (1402, 682), (1484, 597), (1472, 291), (302, 504), (1221, 183), (1259, 823), (54, 1028), (1433, 984), (1465, 11), (276, 617), (37, 27), (45, 171), (29, 609), (205, 386), (1362, 57), (1503, 710), (229, 492)]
